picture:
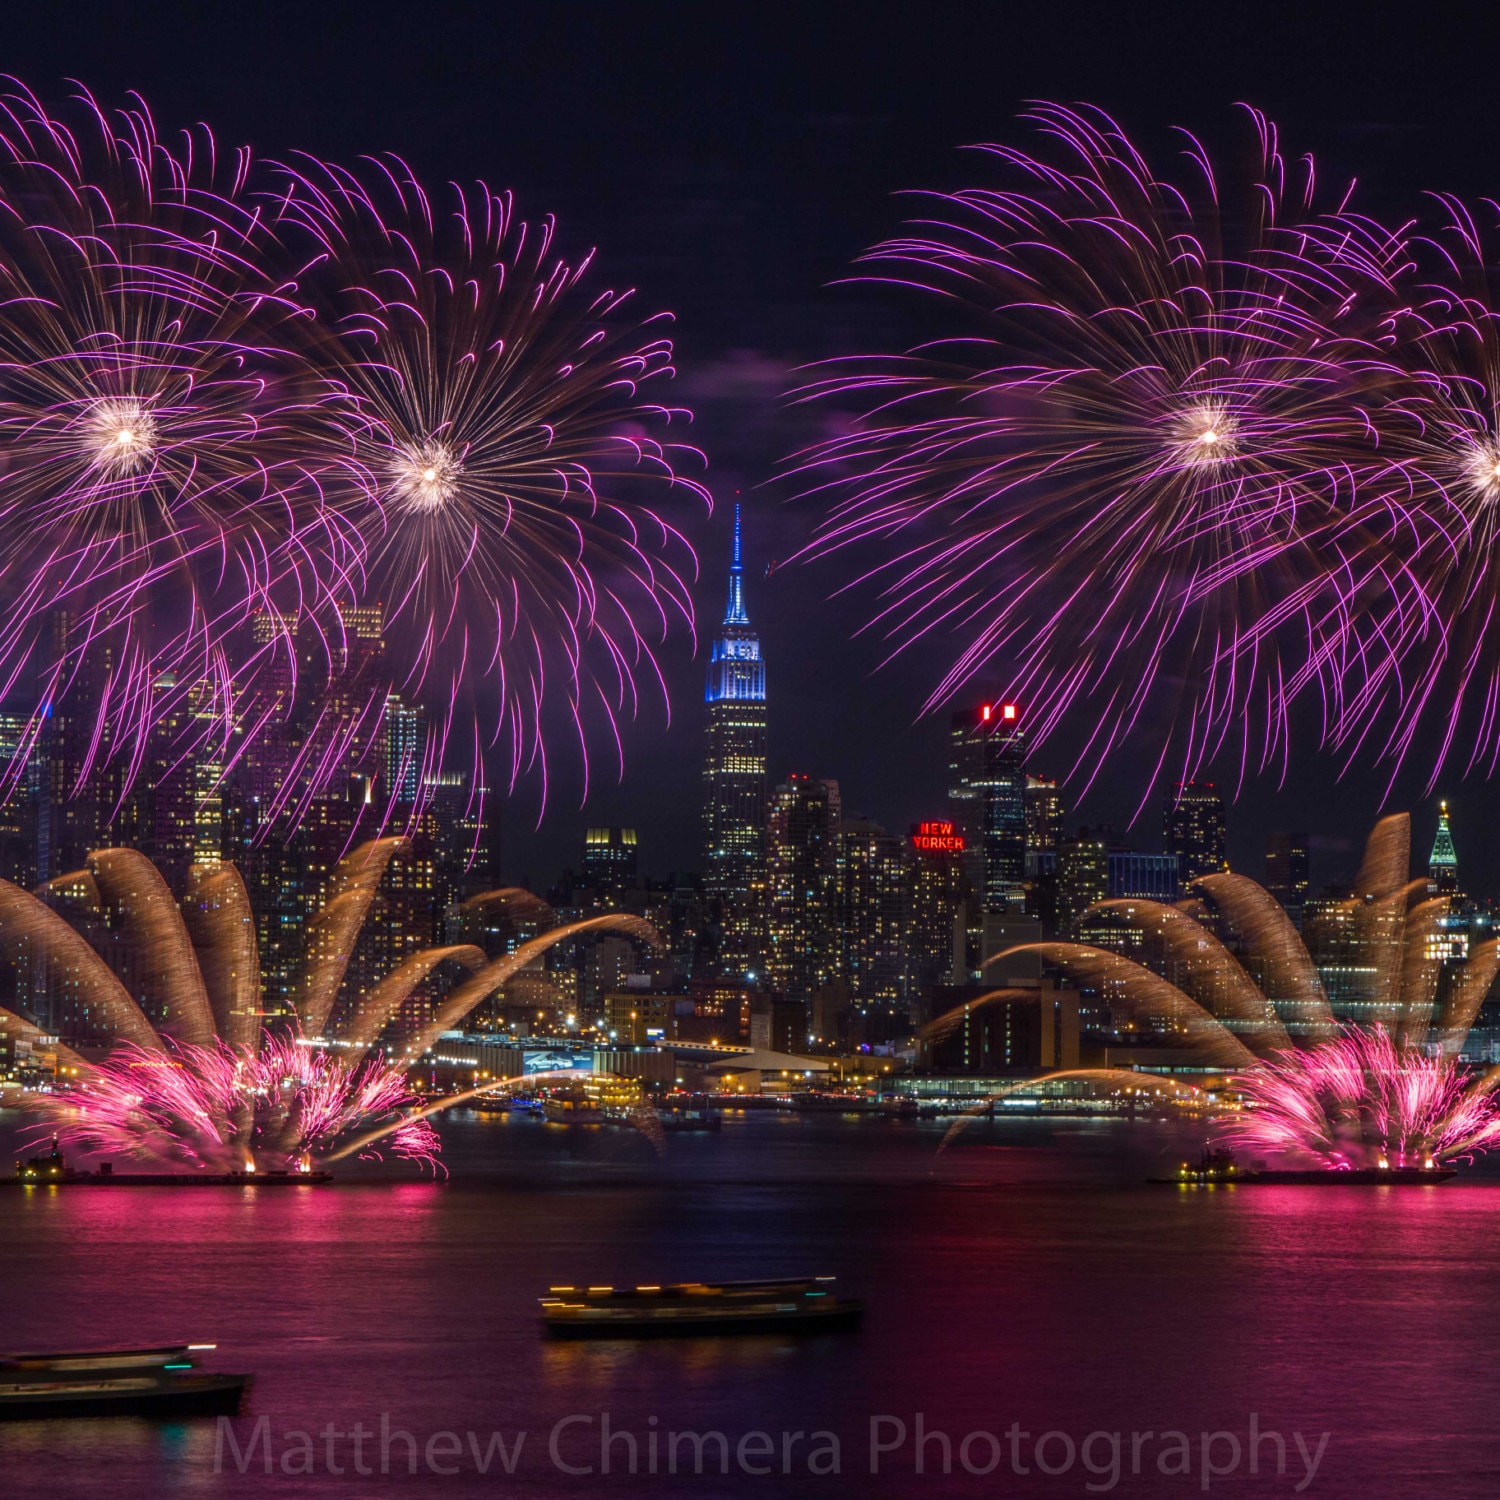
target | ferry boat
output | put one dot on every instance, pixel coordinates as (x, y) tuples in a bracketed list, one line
[(160, 1382), (693, 1308), (1217, 1167), (573, 1109)]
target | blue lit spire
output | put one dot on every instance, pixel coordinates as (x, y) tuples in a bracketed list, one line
[(736, 674), (735, 613)]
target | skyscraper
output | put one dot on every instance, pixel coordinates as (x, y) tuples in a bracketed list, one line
[(734, 780), (1288, 872), (1194, 826), (1044, 824), (872, 884), (935, 938), (987, 800), (802, 880), (1442, 863), (610, 859)]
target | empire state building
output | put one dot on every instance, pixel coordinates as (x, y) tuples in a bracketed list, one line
[(734, 778)]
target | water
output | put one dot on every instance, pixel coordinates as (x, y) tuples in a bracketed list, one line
[(1026, 1277)]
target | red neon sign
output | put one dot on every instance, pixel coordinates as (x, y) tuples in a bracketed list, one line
[(936, 838)]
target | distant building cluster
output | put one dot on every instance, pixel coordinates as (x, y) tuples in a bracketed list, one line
[(200, 799), (809, 928)]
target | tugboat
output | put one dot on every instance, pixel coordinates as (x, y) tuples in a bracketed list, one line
[(1218, 1168), (160, 1382), (694, 1308)]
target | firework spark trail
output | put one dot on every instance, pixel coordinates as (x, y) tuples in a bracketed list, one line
[(1398, 1092), (1133, 484), (1436, 420), (212, 1090)]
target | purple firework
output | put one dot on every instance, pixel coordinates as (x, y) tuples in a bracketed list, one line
[(520, 498), (1435, 417), (1124, 484), (166, 459)]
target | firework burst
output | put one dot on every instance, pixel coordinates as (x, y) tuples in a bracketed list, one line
[(507, 453), (166, 460), (1435, 413), (219, 1108), (1361, 1101), (1399, 1091), (1125, 485), (193, 1080)]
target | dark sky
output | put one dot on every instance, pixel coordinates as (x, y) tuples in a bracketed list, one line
[(730, 160)]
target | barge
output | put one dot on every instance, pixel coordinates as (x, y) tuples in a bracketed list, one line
[(1219, 1169), (53, 1170)]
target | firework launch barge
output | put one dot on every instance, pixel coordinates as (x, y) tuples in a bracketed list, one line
[(1219, 1169), (694, 1308), (53, 1170), (160, 1382)]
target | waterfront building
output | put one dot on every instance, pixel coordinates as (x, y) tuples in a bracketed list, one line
[(735, 781), (935, 928), (1195, 830)]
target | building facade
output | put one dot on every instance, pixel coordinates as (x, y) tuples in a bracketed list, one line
[(987, 802), (802, 848), (734, 782), (1195, 830)]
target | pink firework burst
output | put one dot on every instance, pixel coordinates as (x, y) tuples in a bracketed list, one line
[(1362, 1101), (221, 1108)]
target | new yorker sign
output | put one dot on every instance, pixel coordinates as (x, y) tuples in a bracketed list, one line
[(936, 838)]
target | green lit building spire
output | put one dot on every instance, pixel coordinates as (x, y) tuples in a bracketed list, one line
[(1442, 864)]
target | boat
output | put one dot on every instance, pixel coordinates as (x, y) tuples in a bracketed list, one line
[(1218, 1168), (158, 1382), (693, 1308), (52, 1169), (690, 1119)]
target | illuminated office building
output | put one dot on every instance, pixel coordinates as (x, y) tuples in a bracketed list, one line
[(802, 886), (935, 937), (610, 859), (872, 869), (1195, 830), (1442, 863), (734, 781), (987, 802)]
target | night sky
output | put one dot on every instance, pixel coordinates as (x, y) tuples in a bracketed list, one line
[(730, 161)]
